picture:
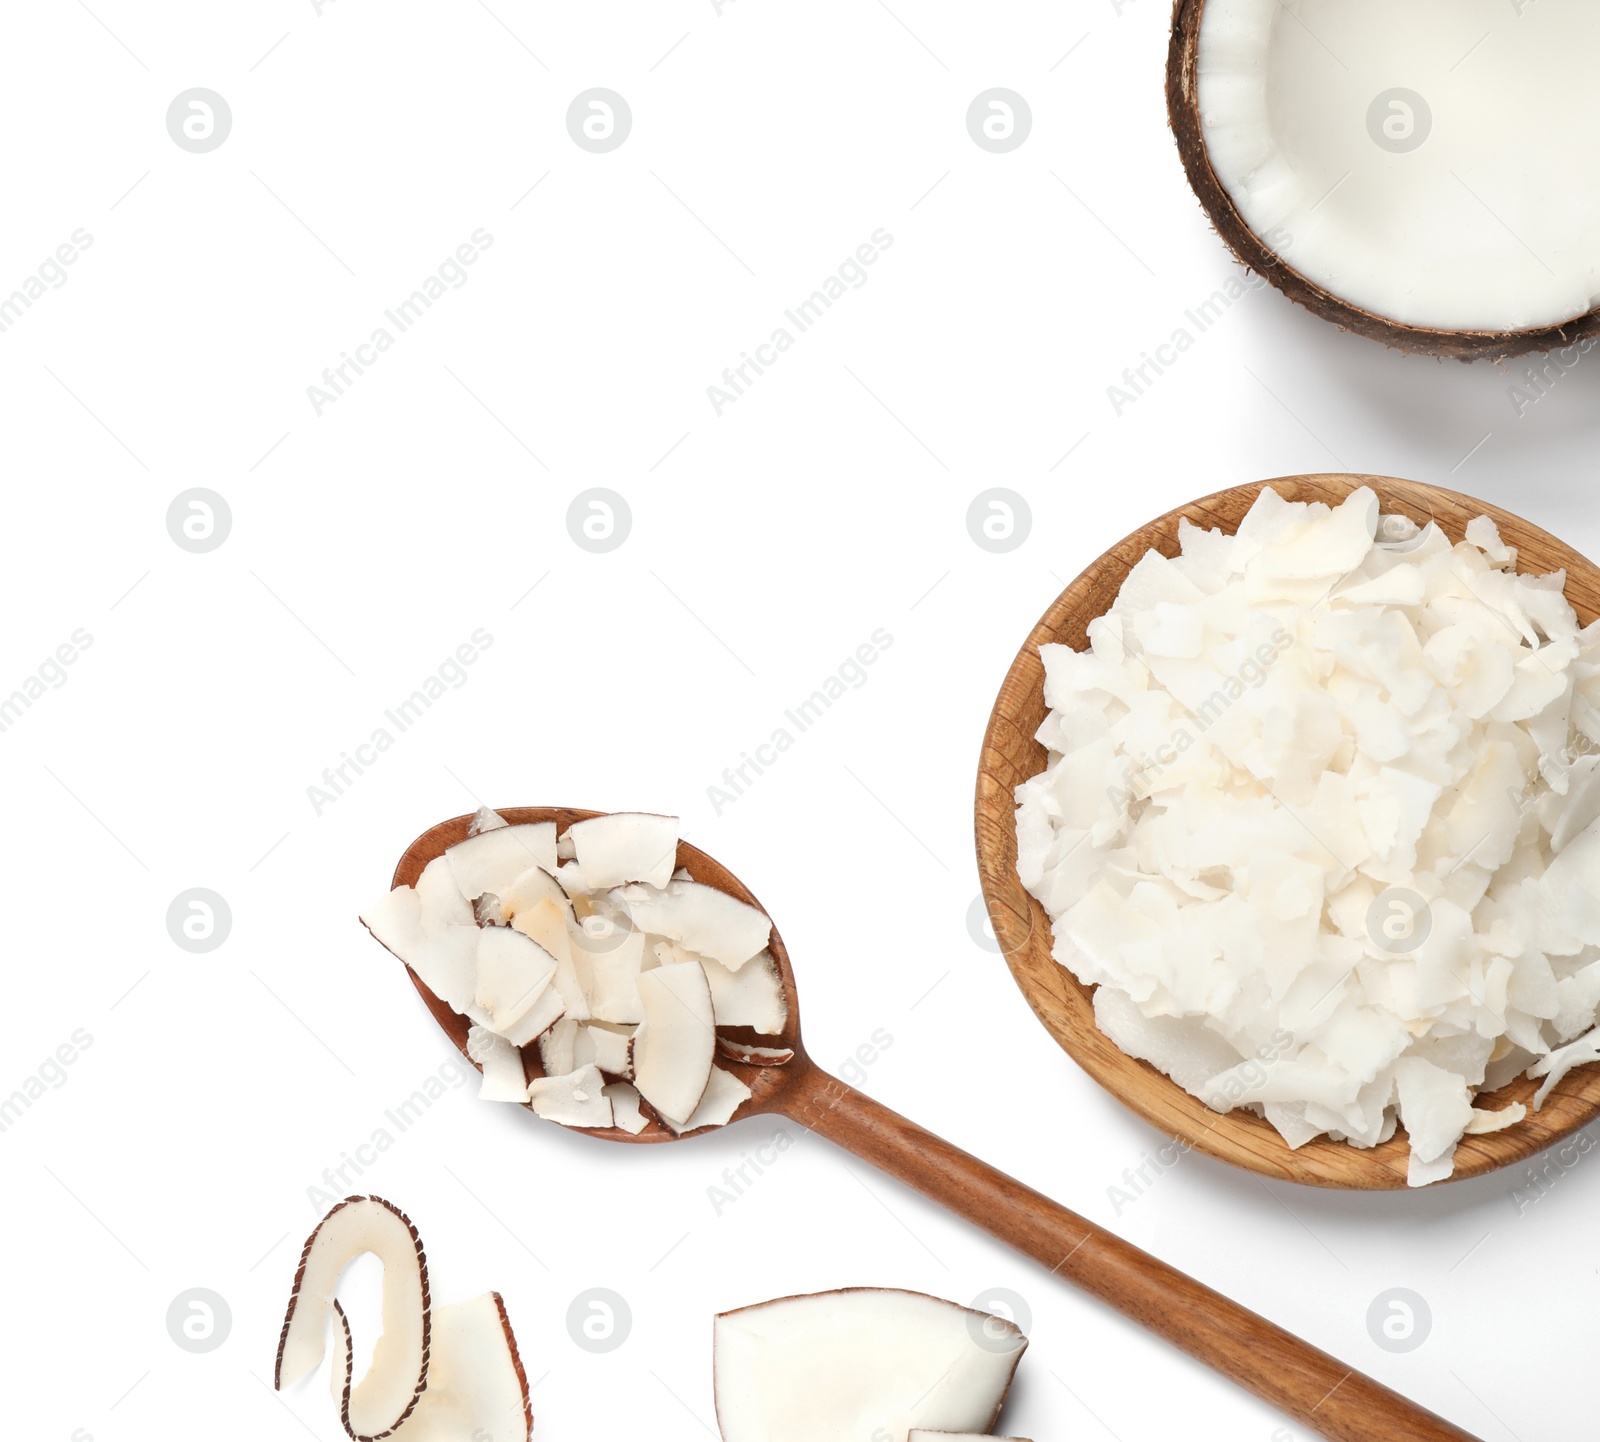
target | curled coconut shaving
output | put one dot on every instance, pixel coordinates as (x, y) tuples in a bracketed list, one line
[(438, 1373)]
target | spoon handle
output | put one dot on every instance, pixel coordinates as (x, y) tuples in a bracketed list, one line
[(1317, 1390)]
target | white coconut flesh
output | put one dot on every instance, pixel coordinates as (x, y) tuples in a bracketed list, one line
[(752, 996), (536, 899), (1317, 823), (610, 1050), (535, 905), (378, 1403), (476, 1386), (723, 1095), (1384, 150), (512, 973), (575, 1099), (558, 1049), (625, 846), (494, 858), (440, 902), (546, 1011), (438, 1373), (625, 1109), (705, 920), (501, 1064), (625, 1017), (609, 959), (868, 1362), (673, 1048)]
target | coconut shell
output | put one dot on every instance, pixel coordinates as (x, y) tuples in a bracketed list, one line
[(1251, 251)]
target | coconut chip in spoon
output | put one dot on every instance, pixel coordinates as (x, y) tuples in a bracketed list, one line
[(592, 947)]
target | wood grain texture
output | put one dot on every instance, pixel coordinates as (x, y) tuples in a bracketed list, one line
[(1183, 114), (1306, 1384), (1011, 755)]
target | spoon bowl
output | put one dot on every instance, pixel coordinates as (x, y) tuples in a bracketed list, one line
[(769, 1086), (1065, 1005)]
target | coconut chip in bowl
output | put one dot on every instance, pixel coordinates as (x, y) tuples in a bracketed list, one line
[(1321, 823)]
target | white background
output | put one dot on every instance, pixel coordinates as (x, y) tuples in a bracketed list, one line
[(767, 543)]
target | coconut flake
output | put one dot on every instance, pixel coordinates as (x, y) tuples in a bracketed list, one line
[(483, 819), (1483, 1122), (1558, 1063), (503, 1079), (707, 921), (723, 1096), (625, 1110), (577, 1099)]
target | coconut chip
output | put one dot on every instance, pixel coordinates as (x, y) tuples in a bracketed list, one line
[(437, 1372)]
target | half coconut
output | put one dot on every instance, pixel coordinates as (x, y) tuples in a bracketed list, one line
[(1421, 175)]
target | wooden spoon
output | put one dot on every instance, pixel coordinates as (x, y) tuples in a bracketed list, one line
[(1304, 1383), (1065, 1006)]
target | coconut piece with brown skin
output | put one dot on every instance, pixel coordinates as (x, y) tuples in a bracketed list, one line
[(541, 1017), (528, 891), (512, 972), (706, 921), (535, 905), (385, 1397), (673, 1047), (438, 1374), (625, 846), (487, 911), (625, 1109), (610, 1050), (752, 996), (723, 1096), (575, 1099), (483, 819), (493, 859), (444, 959), (477, 1386), (858, 1363)]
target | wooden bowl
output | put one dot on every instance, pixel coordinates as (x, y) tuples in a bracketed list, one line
[(1062, 1003)]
